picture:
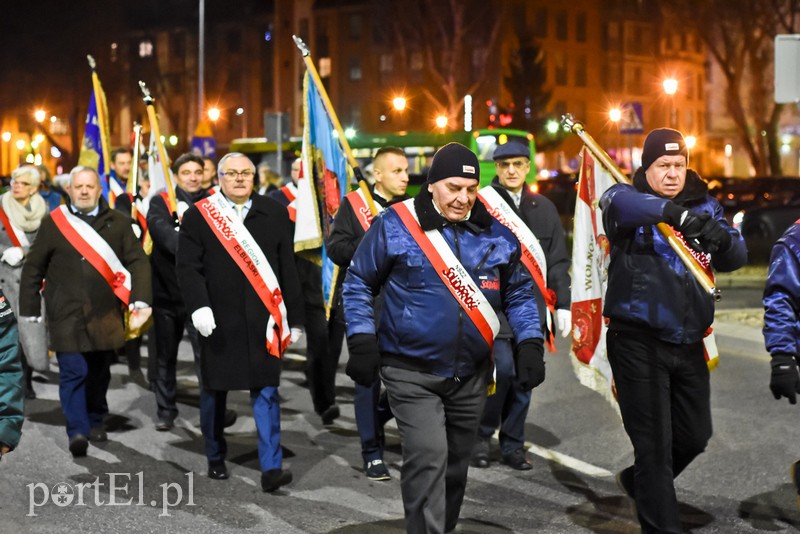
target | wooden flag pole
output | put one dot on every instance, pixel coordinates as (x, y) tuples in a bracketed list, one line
[(150, 102), (312, 71)]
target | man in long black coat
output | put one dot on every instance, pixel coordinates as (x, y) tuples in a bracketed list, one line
[(231, 317)]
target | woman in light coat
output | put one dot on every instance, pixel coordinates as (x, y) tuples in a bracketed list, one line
[(22, 209)]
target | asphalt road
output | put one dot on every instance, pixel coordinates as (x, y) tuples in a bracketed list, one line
[(740, 484)]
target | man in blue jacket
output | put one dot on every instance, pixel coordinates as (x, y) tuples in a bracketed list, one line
[(446, 267), (781, 302), (659, 315)]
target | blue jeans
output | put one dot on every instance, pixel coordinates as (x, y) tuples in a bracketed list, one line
[(83, 379), (372, 412), (266, 412)]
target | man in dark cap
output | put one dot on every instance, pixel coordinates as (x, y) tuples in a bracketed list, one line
[(537, 225), (446, 268), (658, 316)]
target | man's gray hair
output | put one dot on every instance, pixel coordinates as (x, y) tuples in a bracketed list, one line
[(83, 168), (226, 157), (31, 172)]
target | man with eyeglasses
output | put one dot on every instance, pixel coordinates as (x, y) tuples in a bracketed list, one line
[(169, 313), (535, 221), (239, 282)]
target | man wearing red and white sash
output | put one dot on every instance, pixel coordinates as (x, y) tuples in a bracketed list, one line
[(352, 221), (536, 223), (95, 268), (240, 287), (446, 268), (658, 315)]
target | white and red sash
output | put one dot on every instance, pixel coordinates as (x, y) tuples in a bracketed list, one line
[(452, 273), (182, 206), (115, 190), (248, 256), (96, 250), (361, 208), (290, 191), (16, 235), (533, 257)]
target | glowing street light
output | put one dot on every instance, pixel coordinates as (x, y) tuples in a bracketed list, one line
[(615, 114), (39, 138), (691, 141), (20, 144), (399, 103), (670, 86), (213, 114), (40, 115), (441, 121), (552, 126), (6, 137)]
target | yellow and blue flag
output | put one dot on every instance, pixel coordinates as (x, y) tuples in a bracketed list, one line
[(94, 149), (324, 179)]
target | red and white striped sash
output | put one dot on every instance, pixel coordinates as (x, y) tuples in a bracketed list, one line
[(248, 256), (533, 257), (96, 250), (452, 273), (16, 235), (290, 191), (361, 208)]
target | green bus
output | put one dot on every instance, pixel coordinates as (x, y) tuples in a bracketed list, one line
[(418, 146)]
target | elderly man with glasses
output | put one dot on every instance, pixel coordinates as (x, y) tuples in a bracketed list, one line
[(240, 286)]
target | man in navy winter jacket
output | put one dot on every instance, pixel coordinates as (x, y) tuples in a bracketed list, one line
[(781, 302), (659, 315), (432, 355)]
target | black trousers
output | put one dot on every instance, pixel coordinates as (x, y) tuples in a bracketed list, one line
[(664, 397), (169, 324), (320, 370)]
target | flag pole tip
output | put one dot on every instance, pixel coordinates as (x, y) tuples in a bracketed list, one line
[(301, 45), (91, 60)]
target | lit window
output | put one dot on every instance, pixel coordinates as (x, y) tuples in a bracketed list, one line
[(146, 48)]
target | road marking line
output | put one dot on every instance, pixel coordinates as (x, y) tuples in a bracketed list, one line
[(566, 461)]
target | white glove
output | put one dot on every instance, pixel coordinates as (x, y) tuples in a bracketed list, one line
[(28, 319), (140, 313), (137, 231), (203, 321), (564, 322), (12, 256), (296, 333)]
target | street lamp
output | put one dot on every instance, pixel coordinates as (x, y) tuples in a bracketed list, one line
[(670, 88), (40, 115), (213, 114), (441, 122), (399, 103), (691, 141), (240, 113)]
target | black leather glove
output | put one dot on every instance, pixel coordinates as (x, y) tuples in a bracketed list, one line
[(687, 222), (714, 237), (364, 360), (785, 381), (529, 361)]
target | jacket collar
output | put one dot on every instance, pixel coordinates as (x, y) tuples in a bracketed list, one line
[(382, 201), (429, 218), (695, 188)]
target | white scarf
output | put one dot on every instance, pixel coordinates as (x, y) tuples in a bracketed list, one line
[(27, 220)]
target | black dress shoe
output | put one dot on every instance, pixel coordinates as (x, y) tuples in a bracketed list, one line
[(230, 418), (163, 425), (330, 414), (274, 479), (480, 454), (625, 481), (78, 446), (516, 460), (97, 434), (218, 471), (30, 393)]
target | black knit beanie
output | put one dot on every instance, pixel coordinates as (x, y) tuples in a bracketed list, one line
[(663, 142), (454, 160)]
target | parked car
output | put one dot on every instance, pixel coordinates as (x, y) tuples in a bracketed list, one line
[(762, 226), (740, 194)]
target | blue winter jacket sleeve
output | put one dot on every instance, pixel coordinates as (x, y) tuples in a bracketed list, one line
[(782, 295)]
